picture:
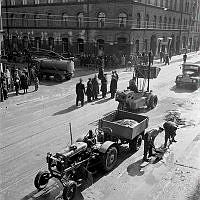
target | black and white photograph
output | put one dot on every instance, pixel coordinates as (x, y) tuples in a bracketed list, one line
[(100, 99)]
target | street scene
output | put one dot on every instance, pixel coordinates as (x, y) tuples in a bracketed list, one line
[(100, 105)]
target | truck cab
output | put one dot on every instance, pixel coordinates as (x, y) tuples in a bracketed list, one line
[(190, 77)]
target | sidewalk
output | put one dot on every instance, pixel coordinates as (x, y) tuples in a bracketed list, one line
[(182, 182)]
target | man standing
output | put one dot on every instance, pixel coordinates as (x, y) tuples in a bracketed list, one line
[(149, 139), (184, 58), (89, 91), (104, 85), (80, 92), (170, 132), (113, 85), (95, 86), (132, 85)]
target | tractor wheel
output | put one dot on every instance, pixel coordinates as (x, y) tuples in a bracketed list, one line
[(110, 158), (152, 102), (41, 179), (120, 106), (134, 145), (57, 77), (69, 190)]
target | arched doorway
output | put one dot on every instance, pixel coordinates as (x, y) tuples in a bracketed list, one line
[(38, 42), (153, 44), (51, 43), (65, 45), (137, 46), (25, 42), (100, 46), (122, 45)]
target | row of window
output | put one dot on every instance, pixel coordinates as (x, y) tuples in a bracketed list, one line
[(161, 22), (171, 4)]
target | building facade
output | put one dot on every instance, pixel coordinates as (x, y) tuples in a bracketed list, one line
[(102, 26)]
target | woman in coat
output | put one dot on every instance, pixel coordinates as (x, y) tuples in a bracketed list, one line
[(104, 85), (113, 85), (89, 91), (24, 82), (95, 85)]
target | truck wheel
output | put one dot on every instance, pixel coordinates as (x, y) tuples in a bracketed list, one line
[(41, 179), (134, 145), (58, 78), (152, 102), (120, 106), (110, 158), (69, 190)]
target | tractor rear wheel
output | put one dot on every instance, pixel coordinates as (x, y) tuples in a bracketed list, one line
[(69, 190), (58, 78), (110, 158), (153, 101), (134, 145), (41, 179)]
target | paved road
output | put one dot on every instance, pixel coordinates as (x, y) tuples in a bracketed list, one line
[(36, 123)]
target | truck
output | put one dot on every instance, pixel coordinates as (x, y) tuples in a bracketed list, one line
[(190, 77), (74, 164)]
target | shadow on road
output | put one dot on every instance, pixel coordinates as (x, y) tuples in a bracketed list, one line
[(101, 101), (181, 90), (134, 169), (67, 110)]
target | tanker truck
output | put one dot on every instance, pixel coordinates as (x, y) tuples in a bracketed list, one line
[(58, 68)]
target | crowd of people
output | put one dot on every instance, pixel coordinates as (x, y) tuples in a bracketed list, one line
[(93, 87), (16, 80)]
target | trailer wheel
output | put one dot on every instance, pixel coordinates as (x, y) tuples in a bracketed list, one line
[(110, 158), (153, 101), (41, 179), (134, 145), (69, 190), (57, 77)]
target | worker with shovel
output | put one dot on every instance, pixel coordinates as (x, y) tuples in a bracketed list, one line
[(149, 139)]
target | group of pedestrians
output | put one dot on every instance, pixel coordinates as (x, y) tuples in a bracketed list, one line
[(93, 87), (165, 57)]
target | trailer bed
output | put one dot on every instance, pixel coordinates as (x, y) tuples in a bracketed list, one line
[(121, 131)]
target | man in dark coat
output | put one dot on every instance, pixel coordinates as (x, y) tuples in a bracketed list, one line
[(17, 85), (149, 139), (113, 85), (89, 91), (95, 85), (104, 85), (80, 92), (184, 58), (170, 132), (24, 82)]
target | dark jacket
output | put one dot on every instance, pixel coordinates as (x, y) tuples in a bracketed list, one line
[(95, 85), (113, 84), (80, 90), (24, 81), (104, 84), (89, 91), (170, 128)]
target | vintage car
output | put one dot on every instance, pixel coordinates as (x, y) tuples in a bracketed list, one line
[(190, 77)]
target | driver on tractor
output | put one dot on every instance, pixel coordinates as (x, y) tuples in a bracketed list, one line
[(90, 139), (132, 85)]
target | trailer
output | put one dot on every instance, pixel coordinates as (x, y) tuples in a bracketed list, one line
[(122, 134)]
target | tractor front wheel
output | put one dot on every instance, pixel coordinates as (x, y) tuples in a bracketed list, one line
[(134, 145), (69, 190), (110, 158), (41, 179)]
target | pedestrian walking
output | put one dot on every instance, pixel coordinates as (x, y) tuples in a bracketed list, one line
[(149, 139), (36, 83), (104, 85), (113, 85), (24, 82), (167, 59), (184, 58), (161, 56), (17, 85), (170, 132), (95, 86), (80, 92), (89, 90)]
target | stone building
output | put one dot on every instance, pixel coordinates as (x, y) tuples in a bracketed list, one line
[(103, 26)]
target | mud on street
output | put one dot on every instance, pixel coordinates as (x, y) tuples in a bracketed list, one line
[(37, 123)]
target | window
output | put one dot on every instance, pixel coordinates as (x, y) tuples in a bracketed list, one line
[(171, 4), (49, 1), (165, 23), (138, 20), (36, 20), (154, 21), (48, 19), (23, 20), (166, 3), (122, 19), (37, 1), (80, 19), (65, 19), (155, 2), (147, 21), (11, 20), (160, 22), (179, 23), (175, 4), (174, 22), (101, 19), (12, 2), (161, 3), (24, 2), (169, 23)]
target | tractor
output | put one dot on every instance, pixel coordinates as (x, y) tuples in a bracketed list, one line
[(130, 100)]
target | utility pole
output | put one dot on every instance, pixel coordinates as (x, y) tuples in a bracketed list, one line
[(7, 25)]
